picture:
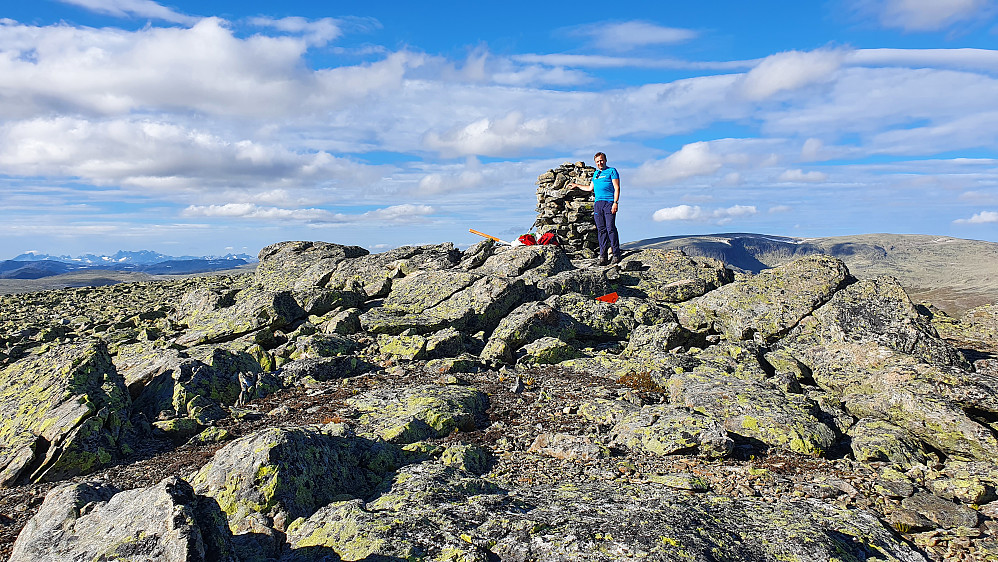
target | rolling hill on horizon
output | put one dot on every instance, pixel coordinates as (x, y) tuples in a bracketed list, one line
[(954, 274)]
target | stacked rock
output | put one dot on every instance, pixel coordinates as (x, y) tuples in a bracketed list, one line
[(565, 211)]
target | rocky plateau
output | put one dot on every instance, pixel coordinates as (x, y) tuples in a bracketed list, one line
[(498, 403)]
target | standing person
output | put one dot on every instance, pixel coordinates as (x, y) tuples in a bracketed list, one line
[(606, 186)]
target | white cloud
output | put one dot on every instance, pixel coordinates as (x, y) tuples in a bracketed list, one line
[(927, 15), (679, 213), (972, 59), (205, 68), (625, 36), (393, 214), (791, 70), (163, 156), (503, 136), (133, 8), (318, 32), (780, 209), (802, 176), (694, 159), (696, 213), (605, 61), (984, 217)]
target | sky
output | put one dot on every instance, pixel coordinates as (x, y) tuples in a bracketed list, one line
[(206, 128)]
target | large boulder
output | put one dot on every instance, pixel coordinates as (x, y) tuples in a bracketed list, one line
[(432, 301), (672, 276), (301, 265), (87, 521), (671, 430), (197, 390), (571, 317), (728, 383), (217, 320), (374, 274), (65, 412), (413, 414), (766, 306), (282, 474), (869, 346)]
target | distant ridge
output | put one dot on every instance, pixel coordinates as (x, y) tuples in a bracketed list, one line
[(953, 273), (34, 265)]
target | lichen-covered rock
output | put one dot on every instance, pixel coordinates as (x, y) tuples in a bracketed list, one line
[(472, 458), (399, 524), (671, 430), (479, 305), (374, 274), (978, 326), (167, 522), (571, 447), (943, 513), (727, 382), (408, 348), (534, 263), (446, 343), (877, 440), (476, 255), (878, 311), (322, 369), (672, 276), (529, 322), (413, 414), (140, 363), (322, 345), (290, 473), (344, 322), (869, 346), (656, 338), (971, 483), (62, 413), (769, 304), (571, 317), (191, 389), (289, 265), (584, 281), (546, 351), (437, 513), (905, 398), (178, 430), (249, 310)]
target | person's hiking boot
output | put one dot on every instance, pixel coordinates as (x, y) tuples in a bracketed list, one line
[(615, 260), (602, 261)]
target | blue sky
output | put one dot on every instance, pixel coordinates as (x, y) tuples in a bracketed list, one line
[(186, 129)]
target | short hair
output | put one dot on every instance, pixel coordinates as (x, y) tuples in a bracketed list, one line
[(598, 154)]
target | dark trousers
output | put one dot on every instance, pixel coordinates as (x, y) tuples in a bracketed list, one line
[(606, 228)]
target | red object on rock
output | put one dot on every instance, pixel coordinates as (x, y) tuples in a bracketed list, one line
[(528, 240), (611, 298), (548, 238)]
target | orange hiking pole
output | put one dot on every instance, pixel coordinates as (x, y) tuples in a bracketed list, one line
[(489, 236)]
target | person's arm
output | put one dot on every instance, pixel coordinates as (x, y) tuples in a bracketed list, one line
[(580, 186), (616, 194)]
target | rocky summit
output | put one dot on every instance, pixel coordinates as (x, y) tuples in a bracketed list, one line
[(428, 403)]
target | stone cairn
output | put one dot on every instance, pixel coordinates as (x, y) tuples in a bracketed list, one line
[(565, 211)]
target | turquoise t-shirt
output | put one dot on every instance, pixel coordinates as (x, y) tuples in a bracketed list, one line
[(603, 183)]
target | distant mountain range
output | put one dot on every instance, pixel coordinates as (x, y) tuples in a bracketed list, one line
[(34, 265)]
